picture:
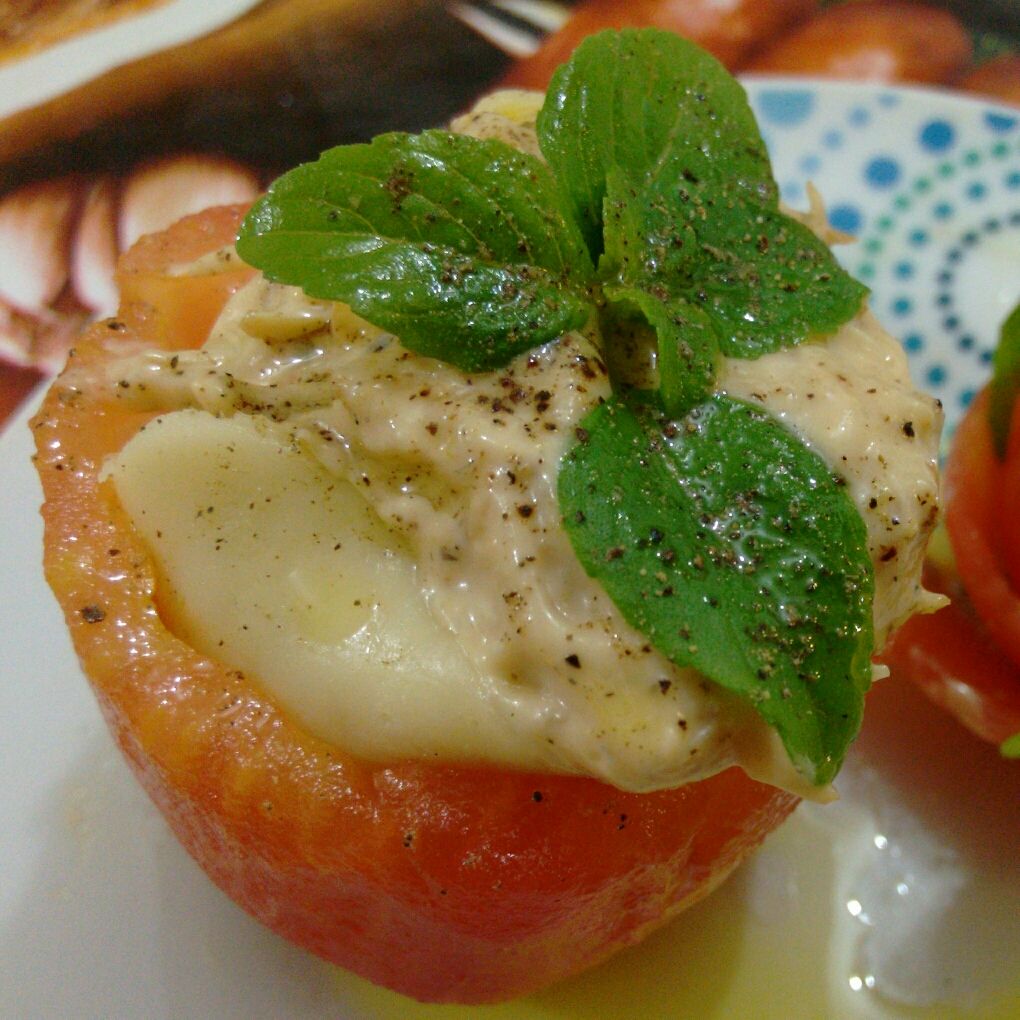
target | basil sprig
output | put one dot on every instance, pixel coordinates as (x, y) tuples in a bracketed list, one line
[(663, 161), (715, 530)]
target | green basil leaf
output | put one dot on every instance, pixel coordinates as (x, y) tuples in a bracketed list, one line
[(457, 245), (766, 280), (647, 104), (1010, 747), (644, 268), (726, 541), (1004, 389), (688, 350), (753, 292)]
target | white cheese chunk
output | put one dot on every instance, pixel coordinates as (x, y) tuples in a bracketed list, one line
[(285, 571), (270, 564)]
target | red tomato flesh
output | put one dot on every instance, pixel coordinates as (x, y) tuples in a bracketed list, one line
[(977, 512), (967, 656)]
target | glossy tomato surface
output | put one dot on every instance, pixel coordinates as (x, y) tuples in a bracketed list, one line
[(445, 883), (967, 656)]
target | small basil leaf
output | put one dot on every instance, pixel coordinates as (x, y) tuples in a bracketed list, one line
[(457, 245), (1010, 747), (647, 103), (646, 266), (1004, 389), (727, 542), (687, 348)]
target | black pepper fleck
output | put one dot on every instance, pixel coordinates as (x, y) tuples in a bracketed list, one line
[(93, 614)]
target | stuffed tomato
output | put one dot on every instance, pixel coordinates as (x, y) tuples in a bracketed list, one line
[(442, 882), (477, 584)]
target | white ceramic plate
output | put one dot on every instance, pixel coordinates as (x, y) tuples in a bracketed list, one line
[(904, 894)]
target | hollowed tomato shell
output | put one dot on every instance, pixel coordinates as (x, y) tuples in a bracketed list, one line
[(443, 882)]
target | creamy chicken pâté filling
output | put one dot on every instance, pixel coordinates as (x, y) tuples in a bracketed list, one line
[(375, 535)]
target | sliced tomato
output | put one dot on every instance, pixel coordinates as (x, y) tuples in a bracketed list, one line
[(172, 306), (979, 518), (1007, 526), (445, 883), (998, 77), (954, 659), (967, 656)]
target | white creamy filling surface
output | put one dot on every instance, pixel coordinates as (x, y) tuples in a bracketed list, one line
[(376, 537)]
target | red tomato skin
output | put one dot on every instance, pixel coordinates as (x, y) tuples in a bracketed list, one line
[(1007, 523), (998, 78), (975, 482), (967, 656), (954, 660), (446, 883)]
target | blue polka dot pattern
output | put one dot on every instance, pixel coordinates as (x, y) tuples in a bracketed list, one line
[(785, 107), (882, 172), (1000, 122), (810, 165), (792, 191), (929, 184), (846, 217), (937, 136)]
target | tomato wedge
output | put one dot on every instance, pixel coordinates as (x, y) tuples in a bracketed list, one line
[(445, 883), (978, 516), (967, 656), (954, 659)]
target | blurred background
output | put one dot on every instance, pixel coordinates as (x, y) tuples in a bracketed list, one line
[(119, 116)]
